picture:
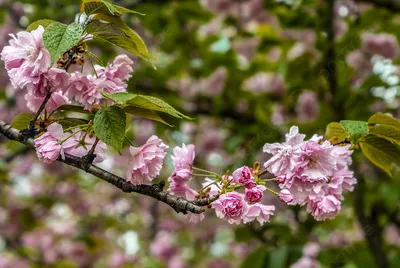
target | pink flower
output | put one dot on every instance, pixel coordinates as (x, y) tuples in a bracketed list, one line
[(80, 147), (243, 175), (215, 187), (183, 160), (182, 189), (231, 206), (285, 196), (118, 71), (286, 155), (26, 56), (254, 194), (47, 146), (56, 100), (54, 79), (317, 161), (326, 208), (259, 212), (147, 161), (83, 88)]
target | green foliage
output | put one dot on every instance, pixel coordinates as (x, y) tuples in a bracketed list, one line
[(380, 152), (22, 120), (91, 7), (145, 106), (356, 129), (335, 133), (114, 30), (68, 122), (35, 25), (109, 126), (384, 119), (74, 108), (59, 37)]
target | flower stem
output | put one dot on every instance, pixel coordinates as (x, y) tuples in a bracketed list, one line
[(202, 175), (205, 171), (272, 191), (64, 140), (42, 106)]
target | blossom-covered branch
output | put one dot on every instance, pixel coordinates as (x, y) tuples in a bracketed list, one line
[(179, 204)]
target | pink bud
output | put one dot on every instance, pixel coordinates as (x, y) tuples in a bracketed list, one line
[(285, 196)]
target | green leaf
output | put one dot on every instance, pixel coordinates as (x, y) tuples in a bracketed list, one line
[(114, 35), (74, 108), (384, 119), (59, 37), (386, 132), (99, 7), (109, 126), (356, 129), (155, 104), (22, 120), (119, 34), (121, 97), (140, 112), (380, 152), (102, 7), (335, 133), (35, 25), (256, 259)]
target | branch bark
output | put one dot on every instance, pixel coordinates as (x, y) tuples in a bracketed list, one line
[(156, 190)]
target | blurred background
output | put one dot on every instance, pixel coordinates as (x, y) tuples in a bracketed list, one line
[(246, 70)]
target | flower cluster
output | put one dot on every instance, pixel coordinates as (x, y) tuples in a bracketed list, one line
[(28, 64), (55, 143), (237, 207), (312, 172)]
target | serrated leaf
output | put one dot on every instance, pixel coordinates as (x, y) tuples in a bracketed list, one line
[(22, 120), (356, 129), (384, 119), (386, 132), (155, 104), (380, 152), (59, 37), (35, 25), (140, 112), (109, 126), (126, 10), (335, 133)]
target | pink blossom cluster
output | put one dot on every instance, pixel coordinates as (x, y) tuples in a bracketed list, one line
[(313, 171), (85, 88), (236, 207), (55, 143), (28, 64)]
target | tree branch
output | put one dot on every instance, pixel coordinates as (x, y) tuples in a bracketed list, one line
[(156, 190)]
